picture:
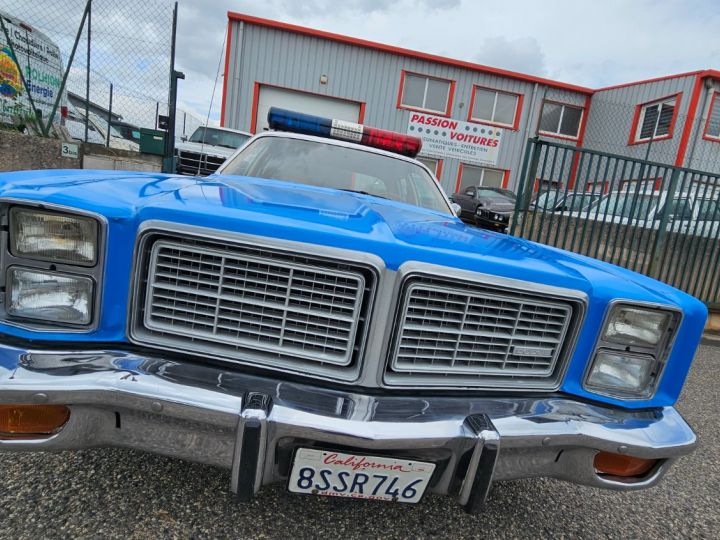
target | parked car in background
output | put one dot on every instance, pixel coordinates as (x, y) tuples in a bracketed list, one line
[(207, 149), (486, 207), (644, 209), (559, 201), (314, 315)]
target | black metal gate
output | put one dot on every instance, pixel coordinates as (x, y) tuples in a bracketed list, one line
[(653, 218)]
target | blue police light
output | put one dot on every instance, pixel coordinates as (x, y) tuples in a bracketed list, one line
[(308, 124)]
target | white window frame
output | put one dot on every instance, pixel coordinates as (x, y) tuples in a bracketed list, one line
[(714, 103), (427, 82), (562, 115), (482, 176), (493, 121), (641, 119)]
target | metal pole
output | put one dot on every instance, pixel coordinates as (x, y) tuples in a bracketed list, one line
[(46, 129), (87, 73), (157, 113), (172, 99), (107, 142), (184, 119)]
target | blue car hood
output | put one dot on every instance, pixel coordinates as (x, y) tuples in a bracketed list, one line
[(394, 231)]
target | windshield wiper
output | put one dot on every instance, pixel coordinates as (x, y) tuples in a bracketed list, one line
[(364, 193)]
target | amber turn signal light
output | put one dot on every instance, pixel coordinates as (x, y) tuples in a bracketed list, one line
[(620, 465), (31, 421)]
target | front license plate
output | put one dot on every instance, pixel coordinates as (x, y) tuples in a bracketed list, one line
[(322, 472)]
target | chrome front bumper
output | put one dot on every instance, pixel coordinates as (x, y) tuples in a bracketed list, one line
[(252, 424)]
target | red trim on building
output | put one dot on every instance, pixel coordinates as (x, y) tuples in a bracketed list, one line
[(451, 94), (241, 17), (518, 108), (580, 141), (361, 116), (256, 98), (506, 179), (438, 170), (225, 76), (713, 138), (648, 81), (636, 119), (583, 108), (459, 177)]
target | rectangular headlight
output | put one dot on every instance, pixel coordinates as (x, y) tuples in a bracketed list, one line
[(636, 326), (623, 375), (49, 296), (53, 236)]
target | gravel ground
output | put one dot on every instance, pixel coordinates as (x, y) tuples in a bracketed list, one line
[(125, 494)]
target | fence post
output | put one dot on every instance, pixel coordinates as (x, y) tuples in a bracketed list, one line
[(87, 73), (527, 183), (659, 244), (109, 118)]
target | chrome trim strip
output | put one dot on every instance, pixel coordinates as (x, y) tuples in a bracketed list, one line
[(193, 411)]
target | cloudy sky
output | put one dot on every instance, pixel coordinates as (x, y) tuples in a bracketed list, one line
[(593, 43)]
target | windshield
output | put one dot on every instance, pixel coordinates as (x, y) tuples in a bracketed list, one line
[(547, 199), (491, 193), (628, 205), (339, 167), (219, 137), (709, 210)]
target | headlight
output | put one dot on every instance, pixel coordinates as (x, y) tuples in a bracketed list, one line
[(49, 296), (623, 375), (636, 326), (632, 350), (52, 236)]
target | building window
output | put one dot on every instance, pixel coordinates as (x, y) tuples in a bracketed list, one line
[(471, 176), (426, 93), (435, 165), (712, 129), (560, 120), (655, 120), (495, 107)]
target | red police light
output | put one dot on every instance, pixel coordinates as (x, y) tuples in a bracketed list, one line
[(308, 124)]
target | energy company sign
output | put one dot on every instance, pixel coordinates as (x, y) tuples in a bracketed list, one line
[(448, 138)]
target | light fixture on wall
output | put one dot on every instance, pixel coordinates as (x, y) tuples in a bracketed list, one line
[(323, 79)]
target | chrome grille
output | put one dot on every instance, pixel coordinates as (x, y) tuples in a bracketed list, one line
[(469, 334), (195, 162), (255, 305)]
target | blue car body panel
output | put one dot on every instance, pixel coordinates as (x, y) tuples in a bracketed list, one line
[(394, 231)]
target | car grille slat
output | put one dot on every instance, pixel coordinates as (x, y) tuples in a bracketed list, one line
[(256, 305), (472, 334)]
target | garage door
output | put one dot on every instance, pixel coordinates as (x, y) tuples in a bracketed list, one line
[(293, 100)]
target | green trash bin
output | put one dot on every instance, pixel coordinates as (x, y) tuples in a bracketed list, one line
[(152, 141)]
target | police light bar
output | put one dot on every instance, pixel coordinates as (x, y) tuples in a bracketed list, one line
[(308, 124)]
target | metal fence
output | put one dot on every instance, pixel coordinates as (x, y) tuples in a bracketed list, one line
[(649, 217), (87, 64)]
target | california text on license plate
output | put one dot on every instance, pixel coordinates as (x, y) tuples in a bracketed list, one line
[(323, 472)]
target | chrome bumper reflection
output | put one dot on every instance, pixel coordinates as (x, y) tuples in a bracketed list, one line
[(252, 424)]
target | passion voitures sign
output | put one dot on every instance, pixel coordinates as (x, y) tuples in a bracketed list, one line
[(450, 138)]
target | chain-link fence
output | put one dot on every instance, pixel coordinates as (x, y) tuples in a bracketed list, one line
[(653, 132), (99, 68)]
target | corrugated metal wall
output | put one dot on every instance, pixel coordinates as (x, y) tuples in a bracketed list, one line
[(612, 112), (703, 154), (287, 59)]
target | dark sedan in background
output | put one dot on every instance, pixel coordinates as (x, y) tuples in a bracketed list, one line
[(486, 207)]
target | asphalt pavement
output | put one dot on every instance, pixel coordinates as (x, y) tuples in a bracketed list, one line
[(111, 493)]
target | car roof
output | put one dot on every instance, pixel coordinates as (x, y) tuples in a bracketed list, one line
[(229, 130)]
